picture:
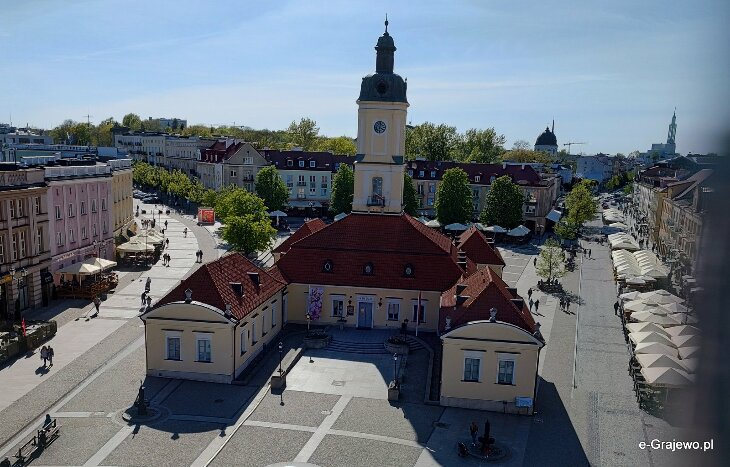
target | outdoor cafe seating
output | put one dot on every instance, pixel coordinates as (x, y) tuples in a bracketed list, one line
[(86, 279)]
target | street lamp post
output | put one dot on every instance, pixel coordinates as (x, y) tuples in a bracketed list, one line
[(281, 348), (395, 369), (309, 319)]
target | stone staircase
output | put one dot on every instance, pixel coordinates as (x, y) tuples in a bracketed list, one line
[(356, 347)]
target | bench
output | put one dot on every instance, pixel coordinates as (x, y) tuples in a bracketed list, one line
[(44, 437)]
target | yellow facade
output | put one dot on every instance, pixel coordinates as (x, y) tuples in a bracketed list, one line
[(123, 201), (233, 344), (475, 383), (297, 302)]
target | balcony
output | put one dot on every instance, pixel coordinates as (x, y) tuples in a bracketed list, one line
[(376, 201), (301, 183)]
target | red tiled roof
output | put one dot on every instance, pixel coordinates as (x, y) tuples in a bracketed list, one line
[(219, 152), (520, 172), (478, 249), (486, 290), (305, 230), (323, 160), (388, 242), (211, 285)]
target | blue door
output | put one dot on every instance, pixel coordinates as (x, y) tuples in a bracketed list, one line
[(364, 315)]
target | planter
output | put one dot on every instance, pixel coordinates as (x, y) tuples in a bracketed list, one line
[(393, 391), (318, 341), (396, 348), (278, 381)]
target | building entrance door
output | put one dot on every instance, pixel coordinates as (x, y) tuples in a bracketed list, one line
[(365, 315)]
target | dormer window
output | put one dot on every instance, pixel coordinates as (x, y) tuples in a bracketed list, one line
[(477, 178), (409, 270), (312, 164), (289, 163), (410, 172), (368, 269), (433, 174), (328, 266), (420, 173), (301, 163)]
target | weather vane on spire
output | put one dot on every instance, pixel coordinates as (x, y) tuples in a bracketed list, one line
[(386, 23)]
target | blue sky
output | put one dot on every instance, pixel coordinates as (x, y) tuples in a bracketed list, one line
[(609, 73)]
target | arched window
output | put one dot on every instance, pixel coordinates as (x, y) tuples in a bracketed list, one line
[(376, 197)]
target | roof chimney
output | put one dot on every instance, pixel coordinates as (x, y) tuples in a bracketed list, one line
[(493, 315), (188, 295), (228, 312), (254, 276), (460, 288), (238, 288)]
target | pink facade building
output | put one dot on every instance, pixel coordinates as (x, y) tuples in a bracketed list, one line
[(81, 224)]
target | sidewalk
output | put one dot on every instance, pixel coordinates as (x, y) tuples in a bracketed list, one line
[(76, 336)]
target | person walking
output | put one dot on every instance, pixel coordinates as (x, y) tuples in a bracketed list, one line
[(97, 304), (165, 224), (531, 303), (529, 292), (567, 304), (201, 256), (167, 243), (148, 284), (474, 431), (185, 232), (44, 355), (537, 304), (49, 352), (149, 302), (144, 297), (615, 308), (534, 262), (168, 261), (589, 253)]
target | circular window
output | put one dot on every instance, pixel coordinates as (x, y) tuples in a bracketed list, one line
[(328, 266), (381, 87)]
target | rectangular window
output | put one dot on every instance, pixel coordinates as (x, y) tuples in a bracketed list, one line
[(244, 340), (410, 172), (263, 325), (22, 243), (248, 160), (273, 316), (59, 239), (253, 333), (70, 210), (432, 188), (93, 205), (420, 173), (393, 311), (58, 212), (301, 163), (103, 204), (477, 178), (423, 312), (290, 163), (323, 192), (420, 189), (429, 201), (37, 203), (506, 370), (12, 209), (172, 347), (38, 240), (14, 246), (2, 249), (83, 208), (21, 204), (104, 229), (471, 369), (83, 233), (338, 307), (433, 174), (204, 349), (233, 173), (312, 164)]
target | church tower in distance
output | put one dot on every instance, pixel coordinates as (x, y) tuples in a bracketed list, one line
[(381, 136)]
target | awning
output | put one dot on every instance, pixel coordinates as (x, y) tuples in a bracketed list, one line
[(554, 215), (305, 204)]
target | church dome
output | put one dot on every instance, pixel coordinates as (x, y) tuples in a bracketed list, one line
[(384, 85), (547, 138)]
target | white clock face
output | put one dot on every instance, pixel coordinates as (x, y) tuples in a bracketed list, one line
[(379, 127)]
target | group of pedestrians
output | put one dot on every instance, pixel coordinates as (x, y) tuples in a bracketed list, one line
[(535, 303), (587, 252), (47, 356), (166, 259), (199, 256), (565, 304)]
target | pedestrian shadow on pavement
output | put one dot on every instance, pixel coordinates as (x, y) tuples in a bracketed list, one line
[(42, 370)]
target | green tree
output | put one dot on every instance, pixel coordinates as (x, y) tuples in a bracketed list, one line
[(132, 121), (410, 197), (551, 261), (629, 188), (303, 134), (483, 146), (64, 131), (580, 204), (434, 142), (271, 188), (521, 145), (526, 156), (454, 198), (566, 229), (102, 133), (248, 235), (338, 145), (503, 204), (343, 189)]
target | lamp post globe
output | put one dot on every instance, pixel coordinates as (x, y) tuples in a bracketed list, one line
[(281, 348), (395, 368)]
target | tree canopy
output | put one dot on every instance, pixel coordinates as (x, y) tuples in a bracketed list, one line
[(133, 121), (454, 198), (271, 188), (410, 197), (484, 146), (303, 134), (343, 189), (580, 204), (337, 145), (551, 260), (443, 143), (503, 204), (246, 223), (526, 156)]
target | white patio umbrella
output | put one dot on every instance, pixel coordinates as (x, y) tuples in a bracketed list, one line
[(650, 336), (660, 297), (83, 269), (148, 237), (104, 264), (496, 229), (644, 327), (619, 225), (640, 305), (133, 246), (519, 231), (658, 360), (480, 226), (629, 296), (690, 364), (675, 308), (341, 215), (650, 317), (682, 330), (456, 227), (684, 318), (688, 352), (435, 224), (686, 341), (277, 214), (667, 377), (635, 281), (654, 347)]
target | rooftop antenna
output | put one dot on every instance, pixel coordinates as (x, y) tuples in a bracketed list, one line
[(88, 119), (553, 130), (386, 23)]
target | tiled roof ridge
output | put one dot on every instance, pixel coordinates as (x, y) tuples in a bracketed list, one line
[(435, 237)]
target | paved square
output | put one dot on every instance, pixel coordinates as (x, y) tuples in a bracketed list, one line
[(300, 408), (80, 439), (168, 443), (412, 422), (343, 451), (261, 446), (208, 399)]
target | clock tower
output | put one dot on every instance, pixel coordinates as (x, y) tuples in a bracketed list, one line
[(381, 135)]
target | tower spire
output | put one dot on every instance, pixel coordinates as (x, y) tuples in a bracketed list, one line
[(672, 133), (386, 23)]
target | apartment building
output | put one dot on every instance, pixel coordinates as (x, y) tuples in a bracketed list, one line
[(24, 240), (230, 162), (122, 199), (541, 190), (183, 153)]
